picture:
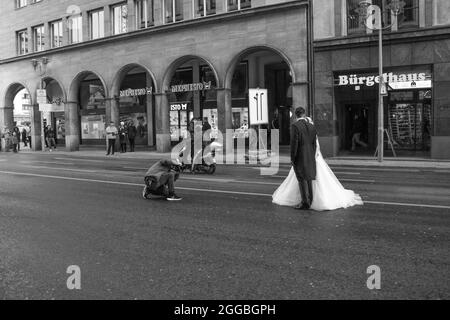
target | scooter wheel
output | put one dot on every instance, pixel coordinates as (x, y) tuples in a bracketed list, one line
[(211, 169)]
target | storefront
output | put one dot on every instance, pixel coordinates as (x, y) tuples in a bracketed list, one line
[(408, 115), (192, 94), (135, 98)]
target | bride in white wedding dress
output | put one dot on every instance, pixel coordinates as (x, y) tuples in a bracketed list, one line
[(328, 192)]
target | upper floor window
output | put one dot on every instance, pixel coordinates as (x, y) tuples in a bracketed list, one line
[(120, 18), (410, 16), (173, 10), (204, 7), (56, 34), (21, 3), (239, 4), (354, 23), (75, 24), (35, 1), (441, 8), (39, 38), (22, 42), (97, 24), (144, 13)]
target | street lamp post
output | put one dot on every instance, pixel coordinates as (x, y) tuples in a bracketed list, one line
[(372, 18)]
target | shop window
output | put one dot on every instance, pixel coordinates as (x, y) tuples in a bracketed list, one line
[(22, 42), (144, 13), (120, 18), (39, 38), (204, 8), (173, 10), (410, 17), (234, 5), (56, 34), (133, 104), (239, 90), (76, 29), (97, 24), (181, 105)]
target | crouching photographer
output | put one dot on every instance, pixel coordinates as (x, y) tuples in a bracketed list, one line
[(160, 180)]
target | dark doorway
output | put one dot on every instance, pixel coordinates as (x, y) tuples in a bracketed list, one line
[(358, 118), (277, 81)]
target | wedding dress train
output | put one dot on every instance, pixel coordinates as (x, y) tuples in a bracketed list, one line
[(328, 192)]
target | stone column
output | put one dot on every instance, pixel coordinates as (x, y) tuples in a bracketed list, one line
[(131, 22), (196, 94), (162, 123), (158, 13), (300, 97), (85, 26), (224, 115), (72, 122), (114, 116), (36, 130), (66, 31), (150, 120), (107, 20), (48, 36)]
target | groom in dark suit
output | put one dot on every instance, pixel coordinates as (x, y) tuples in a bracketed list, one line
[(303, 156)]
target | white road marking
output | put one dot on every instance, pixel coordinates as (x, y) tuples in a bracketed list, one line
[(343, 179), (422, 205), (64, 169), (79, 159)]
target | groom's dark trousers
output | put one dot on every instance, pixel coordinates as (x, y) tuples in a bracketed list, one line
[(306, 190)]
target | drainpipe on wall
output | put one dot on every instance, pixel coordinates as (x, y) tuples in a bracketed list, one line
[(310, 57)]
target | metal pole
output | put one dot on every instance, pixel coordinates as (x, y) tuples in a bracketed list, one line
[(380, 96)]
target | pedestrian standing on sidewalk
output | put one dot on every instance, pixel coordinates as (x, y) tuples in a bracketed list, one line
[(51, 139), (29, 135), (16, 134), (111, 134), (132, 132), (123, 134), (24, 137)]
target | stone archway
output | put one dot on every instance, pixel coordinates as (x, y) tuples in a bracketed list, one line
[(195, 87), (7, 112), (262, 67), (141, 91), (87, 90)]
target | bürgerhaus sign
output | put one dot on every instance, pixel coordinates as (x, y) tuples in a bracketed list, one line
[(191, 87)]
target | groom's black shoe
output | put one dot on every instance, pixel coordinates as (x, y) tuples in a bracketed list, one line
[(303, 206)]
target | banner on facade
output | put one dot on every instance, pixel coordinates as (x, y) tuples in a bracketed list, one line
[(48, 107), (258, 107), (41, 96)]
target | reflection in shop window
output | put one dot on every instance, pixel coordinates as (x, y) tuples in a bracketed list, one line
[(173, 10), (204, 8)]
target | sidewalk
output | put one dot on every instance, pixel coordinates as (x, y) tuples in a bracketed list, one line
[(284, 159)]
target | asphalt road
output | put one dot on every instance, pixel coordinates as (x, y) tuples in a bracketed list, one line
[(225, 240)]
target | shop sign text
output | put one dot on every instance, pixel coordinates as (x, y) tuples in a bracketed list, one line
[(136, 92), (369, 81), (191, 87), (178, 107)]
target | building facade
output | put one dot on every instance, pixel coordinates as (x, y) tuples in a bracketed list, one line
[(155, 64), (416, 62)]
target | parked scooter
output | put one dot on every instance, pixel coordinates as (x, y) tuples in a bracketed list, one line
[(204, 161)]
